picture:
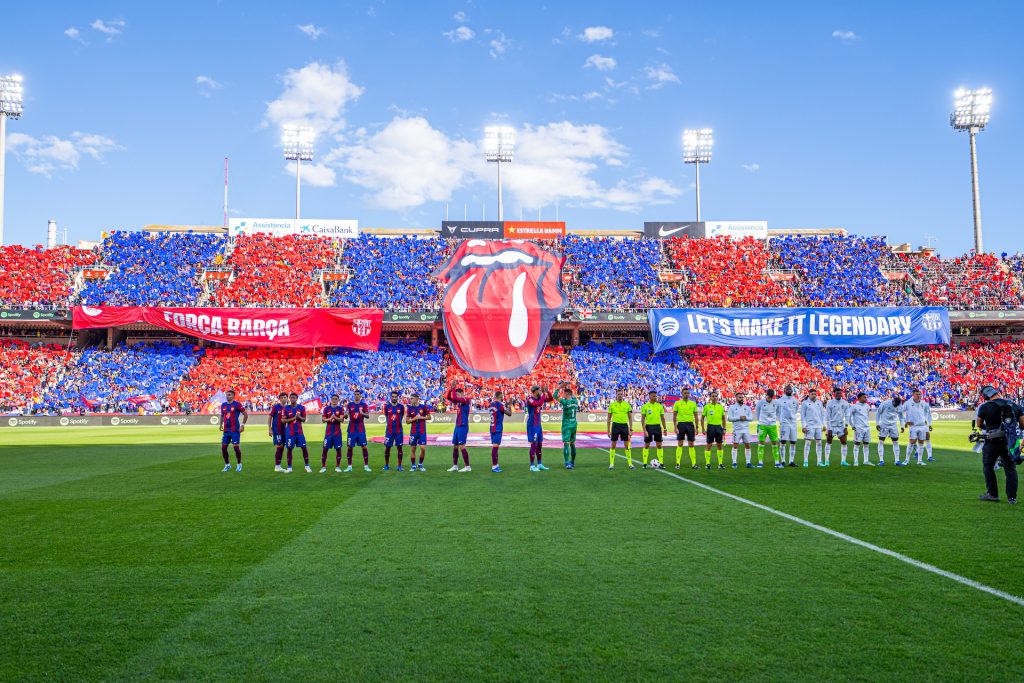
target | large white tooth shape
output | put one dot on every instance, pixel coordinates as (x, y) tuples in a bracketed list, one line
[(518, 322), (459, 300)]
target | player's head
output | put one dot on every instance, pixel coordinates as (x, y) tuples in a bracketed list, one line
[(714, 396), (897, 400), (293, 398), (229, 395), (358, 394), (652, 396), (812, 394), (837, 392), (414, 399), (535, 391), (335, 399), (567, 390), (769, 394), (282, 397), (917, 395), (788, 389), (685, 394), (459, 392), (862, 397), (740, 397), (989, 392), (394, 397), (499, 395), (618, 394)]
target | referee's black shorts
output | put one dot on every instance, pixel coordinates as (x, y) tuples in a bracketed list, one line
[(686, 431), (716, 434), (652, 433), (620, 431)]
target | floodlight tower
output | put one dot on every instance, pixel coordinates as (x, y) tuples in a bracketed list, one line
[(697, 145), (298, 147), (10, 108), (499, 145), (971, 110)]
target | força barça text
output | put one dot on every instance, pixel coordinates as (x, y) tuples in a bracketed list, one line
[(236, 327)]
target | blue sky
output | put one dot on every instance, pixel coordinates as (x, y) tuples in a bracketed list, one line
[(825, 114)]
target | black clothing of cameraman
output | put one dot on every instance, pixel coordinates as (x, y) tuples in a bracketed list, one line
[(996, 448)]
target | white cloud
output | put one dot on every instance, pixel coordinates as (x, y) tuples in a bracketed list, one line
[(659, 76), (51, 153), (207, 85), (316, 96), (311, 30), (596, 34), (499, 43), (111, 29), (600, 63), (845, 36), (460, 17), (74, 34), (752, 168), (459, 34), (314, 175)]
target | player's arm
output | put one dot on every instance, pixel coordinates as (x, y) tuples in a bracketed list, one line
[(270, 423), (300, 415), (505, 409), (608, 425), (629, 421), (664, 427)]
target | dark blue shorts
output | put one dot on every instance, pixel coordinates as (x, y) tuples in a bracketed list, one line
[(495, 438), (460, 435), (417, 439), (394, 440), (278, 438), (297, 441), (356, 439), (334, 441), (534, 434), (231, 437)]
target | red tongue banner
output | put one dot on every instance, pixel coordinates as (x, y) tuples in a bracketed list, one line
[(501, 300), (355, 328)]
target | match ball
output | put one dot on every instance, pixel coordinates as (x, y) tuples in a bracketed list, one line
[(656, 464)]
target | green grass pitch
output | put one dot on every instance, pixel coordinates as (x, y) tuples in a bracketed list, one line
[(125, 554)]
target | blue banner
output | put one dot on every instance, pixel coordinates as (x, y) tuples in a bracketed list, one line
[(799, 327)]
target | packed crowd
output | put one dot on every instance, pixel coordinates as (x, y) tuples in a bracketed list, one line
[(841, 270), (392, 273), (963, 367), (632, 367), (731, 370), (553, 366), (275, 271), (723, 272), (977, 281), (403, 366), (155, 269), (26, 371), (616, 274), (39, 278), (879, 372)]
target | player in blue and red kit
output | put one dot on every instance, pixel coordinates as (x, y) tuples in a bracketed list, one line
[(275, 429), (417, 416), (294, 416), (498, 411), (458, 397), (534, 427), (332, 433), (394, 413), (356, 413), (233, 417)]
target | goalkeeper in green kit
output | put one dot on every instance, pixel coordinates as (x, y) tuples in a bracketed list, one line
[(570, 406)]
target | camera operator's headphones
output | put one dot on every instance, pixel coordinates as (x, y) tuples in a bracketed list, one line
[(989, 392)]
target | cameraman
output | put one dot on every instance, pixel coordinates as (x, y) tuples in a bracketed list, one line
[(999, 419)]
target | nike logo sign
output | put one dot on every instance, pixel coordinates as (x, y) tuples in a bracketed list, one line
[(662, 232)]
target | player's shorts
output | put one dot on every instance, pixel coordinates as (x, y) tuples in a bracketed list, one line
[(495, 438), (297, 441), (394, 440), (278, 438), (534, 434), (769, 432), (787, 433), (231, 437), (888, 432), (653, 433), (919, 433), (356, 439), (620, 432), (417, 439), (836, 431), (716, 434), (460, 435), (686, 431), (862, 435), (568, 434), (744, 436), (812, 432), (334, 441)]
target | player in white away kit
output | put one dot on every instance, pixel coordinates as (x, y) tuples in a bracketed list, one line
[(860, 419), (741, 415), (812, 418), (789, 408), (917, 417), (837, 415), (889, 420)]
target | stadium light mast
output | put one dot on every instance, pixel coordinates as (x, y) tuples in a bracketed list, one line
[(298, 147), (11, 102), (971, 111), (697, 145), (499, 146)]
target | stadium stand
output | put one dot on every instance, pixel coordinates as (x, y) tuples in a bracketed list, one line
[(392, 273), (271, 271), (37, 277), (26, 371), (553, 366), (842, 270), (105, 381), (977, 281), (880, 372), (403, 366), (155, 269), (257, 375), (966, 366), (602, 368), (723, 272), (616, 274), (753, 370)]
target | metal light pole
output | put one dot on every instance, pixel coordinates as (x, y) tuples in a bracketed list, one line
[(499, 145), (971, 111), (298, 147), (10, 108), (697, 145)]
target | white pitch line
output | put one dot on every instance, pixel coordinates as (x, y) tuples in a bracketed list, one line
[(856, 541)]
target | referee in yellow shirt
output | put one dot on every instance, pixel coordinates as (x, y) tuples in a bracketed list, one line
[(685, 411), (712, 422), (653, 415), (620, 427)]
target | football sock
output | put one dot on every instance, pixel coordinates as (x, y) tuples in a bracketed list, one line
[(540, 453), (387, 456), (928, 447), (611, 457), (842, 451), (572, 453), (533, 454), (289, 458), (366, 456), (734, 455), (305, 455), (661, 455), (881, 450), (349, 455), (455, 455), (465, 457), (238, 455), (644, 453), (693, 455), (807, 451), (708, 455), (565, 452), (278, 452), (629, 455), (856, 454), (323, 458), (896, 450), (337, 457), (494, 456), (423, 452), (224, 454), (401, 455), (679, 456), (747, 453), (760, 451), (721, 456)]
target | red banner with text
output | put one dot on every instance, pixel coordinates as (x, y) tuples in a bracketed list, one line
[(355, 328)]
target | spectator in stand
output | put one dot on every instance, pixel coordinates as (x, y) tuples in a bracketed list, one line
[(976, 281), (633, 367), (732, 370), (113, 378), (879, 372), (612, 274), (406, 367), (964, 367), (27, 371), (276, 272), (723, 272), (152, 269), (553, 366), (37, 277), (393, 272), (841, 270)]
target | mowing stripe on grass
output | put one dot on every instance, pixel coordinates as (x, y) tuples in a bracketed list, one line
[(856, 541)]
